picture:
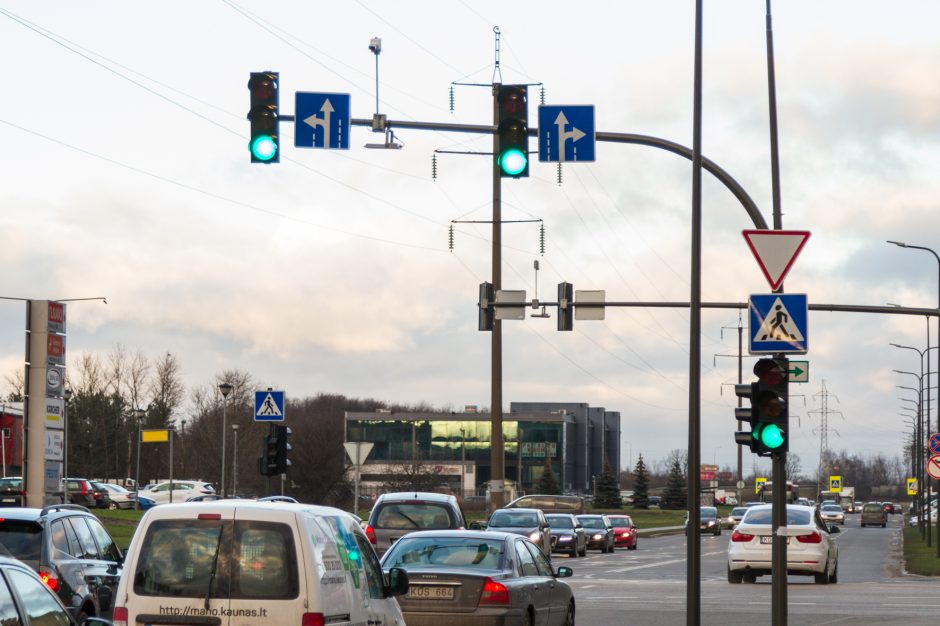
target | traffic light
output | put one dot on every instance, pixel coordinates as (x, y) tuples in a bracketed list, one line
[(769, 414), (565, 306), (267, 462), (512, 128), (487, 295), (281, 462), (263, 115)]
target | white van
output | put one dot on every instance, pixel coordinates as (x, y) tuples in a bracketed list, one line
[(248, 563)]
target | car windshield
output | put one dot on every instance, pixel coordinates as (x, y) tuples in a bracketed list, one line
[(461, 552), (11, 483), (708, 512), (832, 508), (872, 508), (559, 521), (621, 522), (592, 522), (412, 516), (739, 511), (795, 517), (512, 519)]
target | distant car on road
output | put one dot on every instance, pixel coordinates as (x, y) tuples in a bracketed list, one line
[(567, 534), (708, 520), (832, 513), (734, 517), (625, 533), (529, 523), (395, 515), (599, 532), (873, 514)]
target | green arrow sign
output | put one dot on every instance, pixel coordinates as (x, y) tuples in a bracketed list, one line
[(799, 371)]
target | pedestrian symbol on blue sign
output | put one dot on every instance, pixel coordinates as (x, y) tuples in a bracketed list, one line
[(566, 133), (321, 120), (269, 406), (778, 323)]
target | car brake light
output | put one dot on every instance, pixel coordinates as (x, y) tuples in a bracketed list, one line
[(312, 619), (119, 618), (494, 592), (739, 536), (84, 488), (209, 516), (48, 576), (814, 538), (370, 534)]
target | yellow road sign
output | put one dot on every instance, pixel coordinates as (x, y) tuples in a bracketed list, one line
[(758, 483), (155, 436), (835, 483), (912, 486)]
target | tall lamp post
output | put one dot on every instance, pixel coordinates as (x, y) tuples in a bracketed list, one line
[(225, 389), (920, 442), (235, 460), (901, 244), (65, 446), (139, 415)]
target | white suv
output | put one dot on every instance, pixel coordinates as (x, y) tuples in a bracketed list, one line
[(182, 489)]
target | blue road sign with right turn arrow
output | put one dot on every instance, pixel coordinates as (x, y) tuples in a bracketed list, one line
[(566, 133)]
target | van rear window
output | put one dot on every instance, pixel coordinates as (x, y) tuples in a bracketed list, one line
[(413, 516), (22, 539), (250, 560)]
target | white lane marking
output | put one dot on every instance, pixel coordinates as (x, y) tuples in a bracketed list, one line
[(671, 562), (588, 586)]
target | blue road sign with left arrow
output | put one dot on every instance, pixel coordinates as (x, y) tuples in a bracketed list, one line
[(778, 323), (566, 133), (321, 120), (269, 406)]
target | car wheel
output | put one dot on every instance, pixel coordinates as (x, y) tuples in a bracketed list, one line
[(718, 533), (735, 577), (527, 618), (823, 578), (636, 544), (834, 577), (884, 525), (81, 617), (749, 578), (113, 506), (569, 616)]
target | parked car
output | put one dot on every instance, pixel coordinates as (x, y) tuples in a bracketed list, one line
[(567, 534), (599, 532), (475, 577), (278, 499), (530, 523), (70, 550), (289, 564), (80, 491), (873, 513), (121, 498), (27, 600), (708, 520), (145, 503), (549, 504), (811, 551), (655, 501), (394, 515), (204, 497), (734, 517), (832, 513), (12, 492), (625, 533), (181, 489), (101, 495)]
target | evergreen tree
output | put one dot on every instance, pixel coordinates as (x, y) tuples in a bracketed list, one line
[(547, 483), (606, 489), (674, 496), (641, 485)]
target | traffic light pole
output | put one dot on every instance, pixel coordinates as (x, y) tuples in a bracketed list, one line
[(497, 474), (779, 546)]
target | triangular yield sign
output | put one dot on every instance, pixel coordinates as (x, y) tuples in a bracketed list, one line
[(775, 251)]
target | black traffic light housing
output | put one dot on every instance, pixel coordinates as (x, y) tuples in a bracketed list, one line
[(267, 462), (565, 306), (487, 296), (512, 129), (264, 117), (282, 448), (769, 414)]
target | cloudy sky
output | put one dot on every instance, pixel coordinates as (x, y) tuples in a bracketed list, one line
[(126, 175)]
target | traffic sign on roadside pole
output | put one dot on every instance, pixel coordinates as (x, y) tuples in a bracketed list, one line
[(933, 466), (799, 371), (935, 443)]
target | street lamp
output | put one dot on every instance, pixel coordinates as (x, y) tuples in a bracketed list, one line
[(139, 414), (235, 460), (225, 389), (919, 474)]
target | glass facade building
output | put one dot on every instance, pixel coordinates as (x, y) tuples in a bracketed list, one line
[(463, 440)]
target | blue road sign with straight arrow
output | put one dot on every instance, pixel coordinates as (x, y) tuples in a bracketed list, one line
[(566, 133), (321, 120), (778, 323)]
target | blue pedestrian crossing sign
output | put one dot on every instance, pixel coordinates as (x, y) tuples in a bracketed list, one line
[(778, 323), (321, 120), (566, 133), (269, 406)]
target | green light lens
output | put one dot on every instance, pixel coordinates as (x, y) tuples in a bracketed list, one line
[(513, 161), (264, 148), (771, 436)]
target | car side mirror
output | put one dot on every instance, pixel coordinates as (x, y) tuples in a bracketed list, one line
[(564, 572), (475, 526), (834, 529), (397, 582)]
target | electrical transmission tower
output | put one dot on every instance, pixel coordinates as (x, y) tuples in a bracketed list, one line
[(825, 454)]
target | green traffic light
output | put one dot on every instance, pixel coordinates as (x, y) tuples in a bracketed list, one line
[(264, 148), (771, 436), (513, 161)]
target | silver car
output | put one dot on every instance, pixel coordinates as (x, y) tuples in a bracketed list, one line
[(463, 577), (397, 514), (832, 513)]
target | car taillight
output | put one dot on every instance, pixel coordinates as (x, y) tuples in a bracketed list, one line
[(494, 592), (370, 534), (48, 576), (813, 538), (84, 488), (119, 618), (311, 619), (739, 536)]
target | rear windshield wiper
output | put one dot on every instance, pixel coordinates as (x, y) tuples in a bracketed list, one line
[(215, 563), (413, 523)]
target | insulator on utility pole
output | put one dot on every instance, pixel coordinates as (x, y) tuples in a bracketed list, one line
[(451, 99), (450, 238), (433, 167)]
